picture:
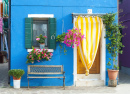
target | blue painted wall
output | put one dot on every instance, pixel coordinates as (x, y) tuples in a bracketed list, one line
[(62, 10)]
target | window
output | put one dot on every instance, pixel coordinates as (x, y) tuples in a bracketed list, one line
[(36, 26), (40, 27)]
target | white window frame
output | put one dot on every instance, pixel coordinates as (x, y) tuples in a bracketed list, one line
[(40, 16)]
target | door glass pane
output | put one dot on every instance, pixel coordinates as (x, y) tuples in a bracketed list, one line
[(39, 27)]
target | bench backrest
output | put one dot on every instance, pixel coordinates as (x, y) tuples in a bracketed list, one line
[(45, 69)]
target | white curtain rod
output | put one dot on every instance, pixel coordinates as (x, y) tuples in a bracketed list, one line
[(86, 14), (75, 15)]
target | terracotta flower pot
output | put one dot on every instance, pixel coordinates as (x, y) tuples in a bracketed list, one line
[(112, 74), (14, 78)]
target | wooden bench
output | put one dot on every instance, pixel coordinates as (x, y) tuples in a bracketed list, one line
[(41, 71)]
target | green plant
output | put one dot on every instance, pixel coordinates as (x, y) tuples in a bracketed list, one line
[(73, 36), (60, 38), (114, 36), (41, 38), (17, 73), (38, 55)]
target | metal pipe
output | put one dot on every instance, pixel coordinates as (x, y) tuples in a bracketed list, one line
[(9, 38)]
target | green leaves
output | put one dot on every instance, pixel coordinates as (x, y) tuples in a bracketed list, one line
[(114, 35), (109, 63), (41, 38), (16, 73), (37, 55), (60, 38)]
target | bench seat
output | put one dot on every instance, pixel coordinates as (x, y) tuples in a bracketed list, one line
[(44, 71)]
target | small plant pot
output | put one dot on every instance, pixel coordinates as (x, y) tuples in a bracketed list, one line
[(16, 82), (42, 45), (112, 74)]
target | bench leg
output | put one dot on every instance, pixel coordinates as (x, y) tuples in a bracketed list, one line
[(64, 83), (28, 82)]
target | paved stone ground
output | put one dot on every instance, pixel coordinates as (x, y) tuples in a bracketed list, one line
[(124, 78), (3, 75), (122, 88)]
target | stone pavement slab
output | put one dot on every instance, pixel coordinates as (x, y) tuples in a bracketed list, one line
[(3, 75), (120, 89)]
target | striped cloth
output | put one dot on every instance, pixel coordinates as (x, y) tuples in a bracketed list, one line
[(91, 27)]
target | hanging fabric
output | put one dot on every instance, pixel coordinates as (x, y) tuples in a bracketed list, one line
[(1, 25), (91, 27)]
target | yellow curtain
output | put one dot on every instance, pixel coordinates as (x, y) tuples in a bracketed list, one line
[(91, 27)]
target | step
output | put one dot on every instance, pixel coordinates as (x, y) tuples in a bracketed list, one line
[(86, 82), (90, 76)]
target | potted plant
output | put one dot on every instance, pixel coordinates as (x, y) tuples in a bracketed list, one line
[(16, 73), (41, 40), (60, 39), (115, 45), (73, 36), (37, 55)]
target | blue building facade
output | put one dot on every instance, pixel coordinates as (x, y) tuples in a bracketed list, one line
[(62, 10)]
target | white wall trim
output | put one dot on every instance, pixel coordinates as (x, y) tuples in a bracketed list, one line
[(75, 60), (41, 15), (102, 57)]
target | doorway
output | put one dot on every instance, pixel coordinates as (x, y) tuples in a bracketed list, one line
[(95, 69)]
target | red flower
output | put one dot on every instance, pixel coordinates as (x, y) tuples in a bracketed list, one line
[(45, 36)]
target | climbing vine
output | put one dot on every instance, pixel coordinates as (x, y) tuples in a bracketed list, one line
[(114, 35)]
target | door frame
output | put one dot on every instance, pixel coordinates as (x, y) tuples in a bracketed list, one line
[(102, 56)]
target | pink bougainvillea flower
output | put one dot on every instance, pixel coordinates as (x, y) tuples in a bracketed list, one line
[(72, 37), (43, 49), (30, 56), (45, 36), (38, 55), (38, 50), (51, 54), (47, 57), (37, 39), (44, 55)]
